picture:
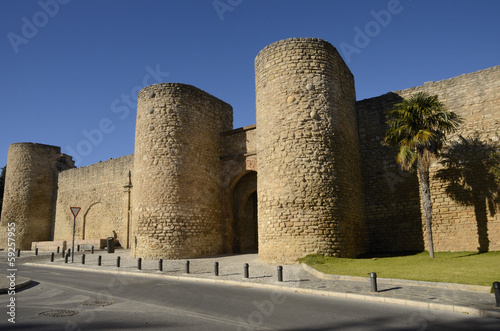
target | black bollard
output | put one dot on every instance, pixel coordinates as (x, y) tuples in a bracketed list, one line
[(216, 268), (496, 289), (77, 248), (160, 264), (36, 251), (18, 253), (92, 249), (280, 273), (52, 257), (69, 251), (245, 270), (66, 258), (187, 267), (139, 263), (57, 249), (99, 258), (83, 258), (118, 262), (373, 278), (63, 253)]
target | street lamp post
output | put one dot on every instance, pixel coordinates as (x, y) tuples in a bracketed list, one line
[(74, 211)]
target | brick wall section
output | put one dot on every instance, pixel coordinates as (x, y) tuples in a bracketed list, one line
[(310, 197), (99, 190), (30, 188), (177, 184), (392, 203)]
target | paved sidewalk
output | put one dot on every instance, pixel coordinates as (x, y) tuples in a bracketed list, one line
[(474, 300)]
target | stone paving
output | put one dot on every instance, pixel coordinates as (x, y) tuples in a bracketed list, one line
[(474, 300)]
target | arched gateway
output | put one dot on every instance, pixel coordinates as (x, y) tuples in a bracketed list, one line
[(244, 210)]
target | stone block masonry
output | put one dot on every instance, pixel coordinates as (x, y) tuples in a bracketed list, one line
[(177, 185), (310, 177), (239, 167), (85, 245), (391, 195), (394, 218), (100, 190), (475, 226), (49, 246), (310, 194), (30, 186)]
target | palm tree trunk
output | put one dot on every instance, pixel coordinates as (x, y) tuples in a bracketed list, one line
[(425, 191)]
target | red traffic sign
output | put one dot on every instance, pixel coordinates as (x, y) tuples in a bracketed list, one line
[(75, 210)]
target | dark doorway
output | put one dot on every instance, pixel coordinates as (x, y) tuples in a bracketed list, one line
[(245, 239)]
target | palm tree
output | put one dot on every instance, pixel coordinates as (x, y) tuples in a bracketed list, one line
[(418, 126)]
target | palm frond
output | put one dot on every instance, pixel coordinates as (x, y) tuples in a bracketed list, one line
[(406, 157), (419, 123)]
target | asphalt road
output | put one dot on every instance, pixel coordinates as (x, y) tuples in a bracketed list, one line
[(117, 302)]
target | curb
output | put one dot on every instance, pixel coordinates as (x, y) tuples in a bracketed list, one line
[(394, 281), (373, 298), (18, 286)]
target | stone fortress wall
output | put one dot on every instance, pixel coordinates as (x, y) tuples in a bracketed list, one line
[(177, 183), (100, 190), (310, 192), (239, 190), (310, 177), (30, 188), (394, 218)]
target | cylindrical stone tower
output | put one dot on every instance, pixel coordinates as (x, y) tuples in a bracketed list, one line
[(30, 192), (177, 184), (309, 185)]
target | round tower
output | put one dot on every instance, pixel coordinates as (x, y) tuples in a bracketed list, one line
[(177, 184), (30, 192), (309, 185)]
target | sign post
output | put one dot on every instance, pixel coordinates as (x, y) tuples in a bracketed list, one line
[(74, 211)]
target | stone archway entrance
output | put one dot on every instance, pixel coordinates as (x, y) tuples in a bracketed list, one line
[(244, 208)]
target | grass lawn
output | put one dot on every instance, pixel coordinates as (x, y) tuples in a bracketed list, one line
[(449, 267)]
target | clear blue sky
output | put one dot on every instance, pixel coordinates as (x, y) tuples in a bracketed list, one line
[(70, 69)]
